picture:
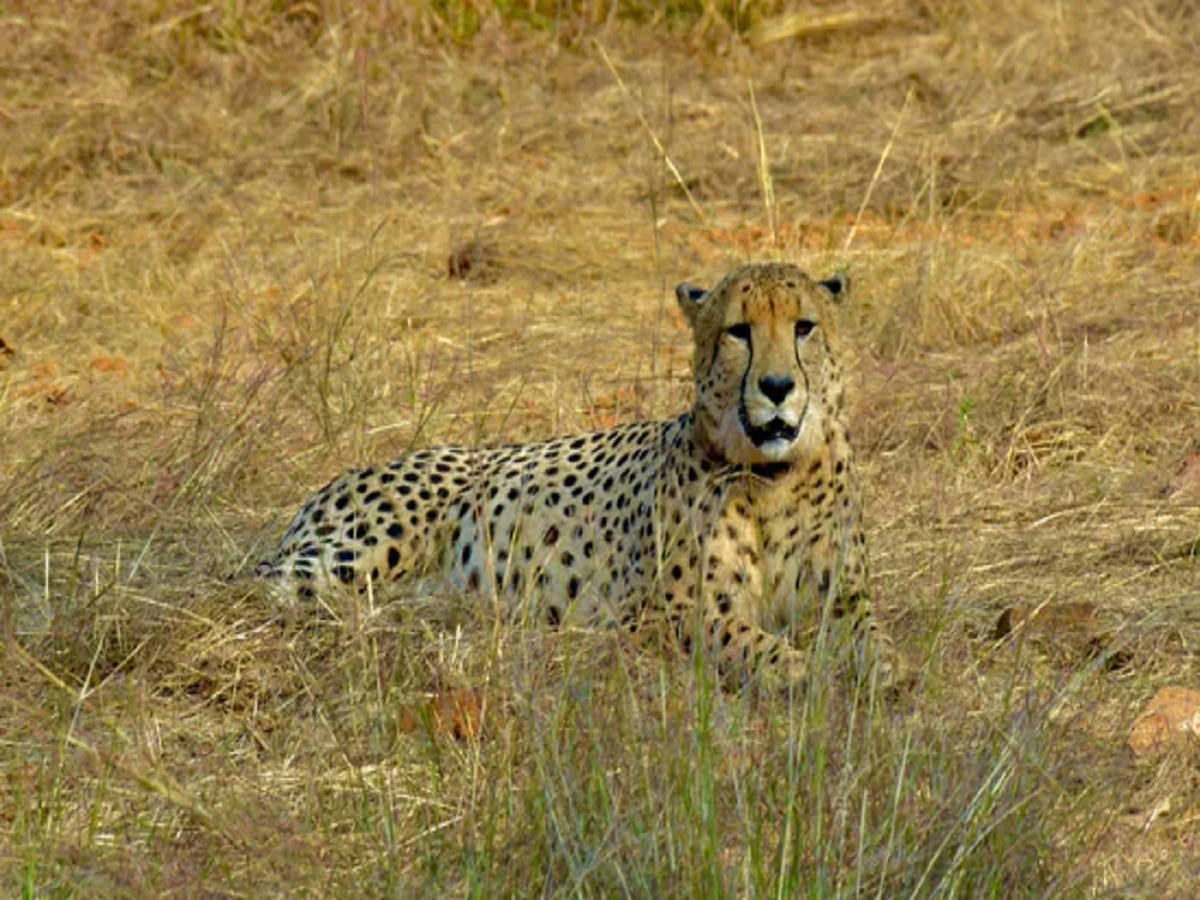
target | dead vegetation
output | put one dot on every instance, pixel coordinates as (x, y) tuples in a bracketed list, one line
[(245, 246)]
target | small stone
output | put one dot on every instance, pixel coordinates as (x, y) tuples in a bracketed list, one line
[(476, 260), (1072, 618), (458, 714), (1171, 716), (1186, 482)]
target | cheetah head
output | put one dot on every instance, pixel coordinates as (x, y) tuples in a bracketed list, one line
[(767, 379)]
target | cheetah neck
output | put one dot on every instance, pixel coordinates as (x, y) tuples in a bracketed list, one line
[(771, 471)]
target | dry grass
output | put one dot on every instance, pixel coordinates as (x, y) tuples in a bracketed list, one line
[(224, 239)]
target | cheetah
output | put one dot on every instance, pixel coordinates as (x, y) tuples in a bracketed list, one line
[(733, 529)]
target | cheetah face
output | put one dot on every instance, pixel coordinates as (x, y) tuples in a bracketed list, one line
[(766, 377)]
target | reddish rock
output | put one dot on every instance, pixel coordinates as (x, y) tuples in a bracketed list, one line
[(1172, 716)]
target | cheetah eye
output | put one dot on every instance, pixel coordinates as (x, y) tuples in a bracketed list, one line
[(739, 332), (804, 328)]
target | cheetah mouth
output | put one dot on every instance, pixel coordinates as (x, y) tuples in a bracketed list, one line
[(770, 432)]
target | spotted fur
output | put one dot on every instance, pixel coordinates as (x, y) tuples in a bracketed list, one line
[(734, 527)]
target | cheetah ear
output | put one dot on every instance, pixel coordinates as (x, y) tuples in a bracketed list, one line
[(691, 299), (838, 286)]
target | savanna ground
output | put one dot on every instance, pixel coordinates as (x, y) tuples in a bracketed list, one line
[(227, 236)]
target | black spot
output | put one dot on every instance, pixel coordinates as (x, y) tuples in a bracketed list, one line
[(341, 502), (568, 559), (677, 571), (345, 556), (466, 554), (553, 616), (344, 574), (551, 536), (371, 497), (588, 549), (393, 557)]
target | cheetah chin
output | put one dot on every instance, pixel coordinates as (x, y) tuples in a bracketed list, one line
[(774, 439)]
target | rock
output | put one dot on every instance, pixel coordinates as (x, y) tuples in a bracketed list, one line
[(1065, 630), (476, 259), (1047, 620), (1172, 716), (1186, 482), (458, 714)]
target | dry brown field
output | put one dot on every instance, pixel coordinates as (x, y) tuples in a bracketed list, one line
[(246, 245)]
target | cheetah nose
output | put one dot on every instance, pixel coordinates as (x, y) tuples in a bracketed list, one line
[(776, 389)]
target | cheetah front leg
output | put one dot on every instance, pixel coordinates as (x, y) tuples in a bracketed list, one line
[(709, 602), (833, 581), (743, 652)]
